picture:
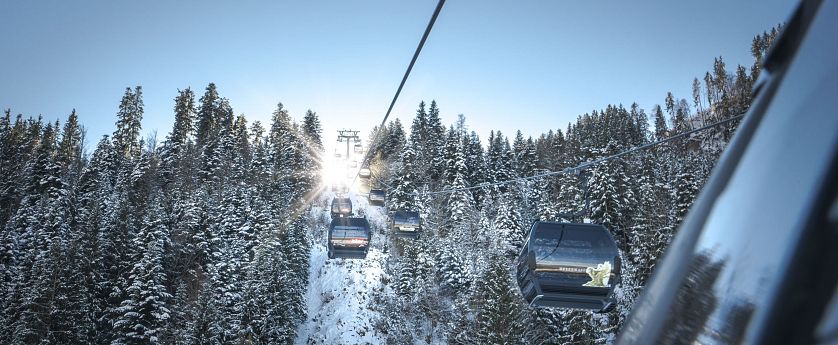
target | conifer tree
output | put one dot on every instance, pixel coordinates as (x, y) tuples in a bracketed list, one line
[(403, 197), (209, 114), (661, 130), (242, 152), (518, 147), (499, 158), (12, 159), (41, 227), (577, 328), (435, 141), (184, 120), (312, 129), (452, 271), (545, 207), (175, 156), (407, 274), (69, 155), (144, 314), (571, 198), (226, 117), (611, 197), (641, 134), (396, 140), (460, 202), (475, 163), (297, 255), (509, 229), (499, 319), (129, 116), (686, 190), (419, 135), (312, 133), (669, 102), (454, 145), (280, 139), (526, 161)]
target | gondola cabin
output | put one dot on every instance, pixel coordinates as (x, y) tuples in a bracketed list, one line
[(364, 173), (349, 238), (376, 197), (406, 224), (567, 265), (353, 164), (359, 148), (341, 207)]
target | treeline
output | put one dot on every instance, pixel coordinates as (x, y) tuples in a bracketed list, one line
[(197, 239), (455, 284)]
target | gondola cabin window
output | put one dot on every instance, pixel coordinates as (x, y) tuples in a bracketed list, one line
[(406, 224), (573, 255), (349, 236)]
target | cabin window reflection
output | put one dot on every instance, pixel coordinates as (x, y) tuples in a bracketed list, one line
[(348, 232), (577, 256)]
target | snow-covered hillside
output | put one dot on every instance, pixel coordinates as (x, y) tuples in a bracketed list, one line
[(341, 292)]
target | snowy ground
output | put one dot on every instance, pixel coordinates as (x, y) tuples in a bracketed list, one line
[(340, 292)]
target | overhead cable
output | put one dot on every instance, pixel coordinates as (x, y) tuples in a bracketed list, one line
[(401, 85), (584, 165)]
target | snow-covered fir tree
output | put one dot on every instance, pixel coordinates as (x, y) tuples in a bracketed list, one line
[(500, 319)]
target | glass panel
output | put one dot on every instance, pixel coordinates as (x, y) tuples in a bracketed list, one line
[(406, 219), (584, 255), (341, 231)]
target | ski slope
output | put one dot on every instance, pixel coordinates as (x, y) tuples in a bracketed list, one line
[(339, 298)]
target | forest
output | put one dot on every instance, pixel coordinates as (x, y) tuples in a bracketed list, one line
[(210, 235)]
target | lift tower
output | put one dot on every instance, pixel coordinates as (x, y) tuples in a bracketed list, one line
[(349, 136)]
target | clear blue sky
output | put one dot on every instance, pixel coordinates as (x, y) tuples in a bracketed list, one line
[(529, 65)]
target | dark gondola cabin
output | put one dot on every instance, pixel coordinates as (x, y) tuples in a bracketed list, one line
[(567, 265), (341, 206), (349, 238), (376, 197), (364, 173), (406, 224)]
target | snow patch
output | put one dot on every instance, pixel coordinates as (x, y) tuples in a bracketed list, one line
[(339, 298)]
